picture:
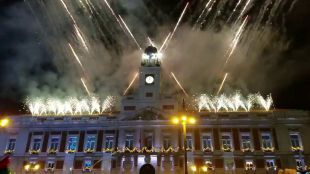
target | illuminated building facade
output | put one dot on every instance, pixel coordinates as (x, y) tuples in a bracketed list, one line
[(142, 132)]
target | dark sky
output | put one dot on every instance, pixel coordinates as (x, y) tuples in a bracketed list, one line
[(294, 95)]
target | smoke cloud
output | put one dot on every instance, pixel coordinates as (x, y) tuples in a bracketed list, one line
[(42, 64)]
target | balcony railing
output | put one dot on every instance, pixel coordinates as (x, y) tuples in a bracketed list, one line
[(70, 150), (8, 151), (267, 149), (227, 149), (89, 150), (297, 149), (34, 151), (52, 151)]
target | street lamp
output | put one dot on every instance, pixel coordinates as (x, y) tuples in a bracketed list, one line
[(32, 167), (199, 169), (184, 120), (4, 122)]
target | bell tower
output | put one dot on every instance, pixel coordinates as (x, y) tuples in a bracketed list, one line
[(149, 75), (147, 95)]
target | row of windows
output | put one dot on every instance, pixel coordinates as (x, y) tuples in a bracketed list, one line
[(249, 164), (206, 142)]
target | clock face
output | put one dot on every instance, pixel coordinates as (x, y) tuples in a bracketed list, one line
[(149, 79)]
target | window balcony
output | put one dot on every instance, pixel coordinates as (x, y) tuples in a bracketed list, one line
[(207, 149), (70, 150), (52, 151), (271, 168), (8, 151), (268, 149), (34, 151), (50, 169), (108, 150), (87, 169), (296, 149), (227, 149), (247, 149), (89, 150)]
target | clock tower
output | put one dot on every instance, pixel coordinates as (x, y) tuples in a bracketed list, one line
[(147, 94), (149, 75)]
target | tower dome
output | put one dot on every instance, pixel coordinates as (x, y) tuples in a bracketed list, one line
[(150, 50), (151, 57)]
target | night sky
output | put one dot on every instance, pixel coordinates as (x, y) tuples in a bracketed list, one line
[(293, 95)]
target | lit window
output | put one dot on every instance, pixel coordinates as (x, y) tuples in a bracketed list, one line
[(50, 165), (226, 143), (72, 143), (189, 142), (206, 143), (209, 165), (54, 144), (266, 142), (167, 142), (87, 165), (246, 142), (90, 142), (300, 164), (36, 143), (109, 142), (149, 142), (270, 164), (249, 165), (129, 141), (11, 145), (295, 141)]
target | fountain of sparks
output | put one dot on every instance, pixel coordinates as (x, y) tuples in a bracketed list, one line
[(233, 103), (69, 106)]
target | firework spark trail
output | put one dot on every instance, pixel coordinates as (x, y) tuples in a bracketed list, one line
[(150, 41), (165, 41), (236, 38), (90, 6), (203, 11), (81, 2), (234, 10), (179, 84), (292, 6), (243, 10), (177, 24), (78, 32), (84, 84), (274, 10), (76, 57), (222, 84), (115, 16), (130, 32), (76, 28), (130, 84)]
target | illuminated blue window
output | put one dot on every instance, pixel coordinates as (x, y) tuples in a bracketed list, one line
[(90, 142), (72, 143)]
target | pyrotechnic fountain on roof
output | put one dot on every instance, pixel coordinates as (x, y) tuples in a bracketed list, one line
[(233, 103), (70, 106)]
